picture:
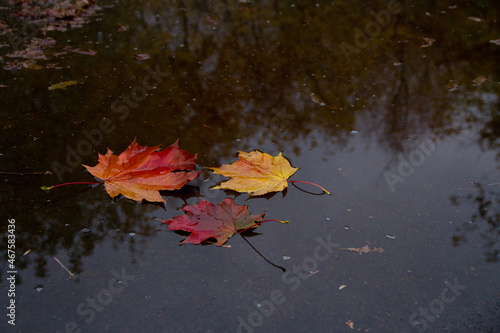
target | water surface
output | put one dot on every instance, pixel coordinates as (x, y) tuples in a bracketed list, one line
[(393, 107)]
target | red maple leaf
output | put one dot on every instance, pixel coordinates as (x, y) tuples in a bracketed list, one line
[(206, 220), (141, 172)]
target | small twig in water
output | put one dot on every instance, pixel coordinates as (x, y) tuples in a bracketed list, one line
[(71, 275), (313, 273)]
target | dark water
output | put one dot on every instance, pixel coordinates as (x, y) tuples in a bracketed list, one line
[(392, 107)]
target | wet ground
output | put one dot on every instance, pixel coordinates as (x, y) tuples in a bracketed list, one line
[(393, 107)]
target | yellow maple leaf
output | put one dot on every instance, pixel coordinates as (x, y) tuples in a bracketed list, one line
[(63, 85), (256, 173)]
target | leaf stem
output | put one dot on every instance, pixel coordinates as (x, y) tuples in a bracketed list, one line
[(48, 188), (257, 223), (299, 181), (260, 254)]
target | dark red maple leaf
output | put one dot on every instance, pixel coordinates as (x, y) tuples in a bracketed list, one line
[(206, 220)]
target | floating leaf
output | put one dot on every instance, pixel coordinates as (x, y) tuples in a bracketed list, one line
[(475, 19), (206, 220), (90, 52), (141, 172), (316, 99), (364, 249), (122, 27), (428, 42), (480, 80), (257, 173), (142, 56), (63, 85)]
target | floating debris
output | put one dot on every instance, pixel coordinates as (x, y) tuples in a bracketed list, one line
[(452, 86), (429, 42), (316, 99), (63, 85), (35, 50), (475, 19), (71, 275), (142, 56), (122, 27), (312, 273), (364, 249), (480, 80), (89, 52)]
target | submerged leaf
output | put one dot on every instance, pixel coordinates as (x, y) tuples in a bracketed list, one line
[(141, 172), (256, 173), (206, 220)]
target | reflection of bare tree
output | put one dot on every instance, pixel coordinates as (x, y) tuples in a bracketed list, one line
[(490, 133), (427, 92), (485, 221), (234, 67), (485, 317), (76, 226)]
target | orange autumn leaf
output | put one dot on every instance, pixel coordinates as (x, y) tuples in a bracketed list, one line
[(140, 172), (256, 173)]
